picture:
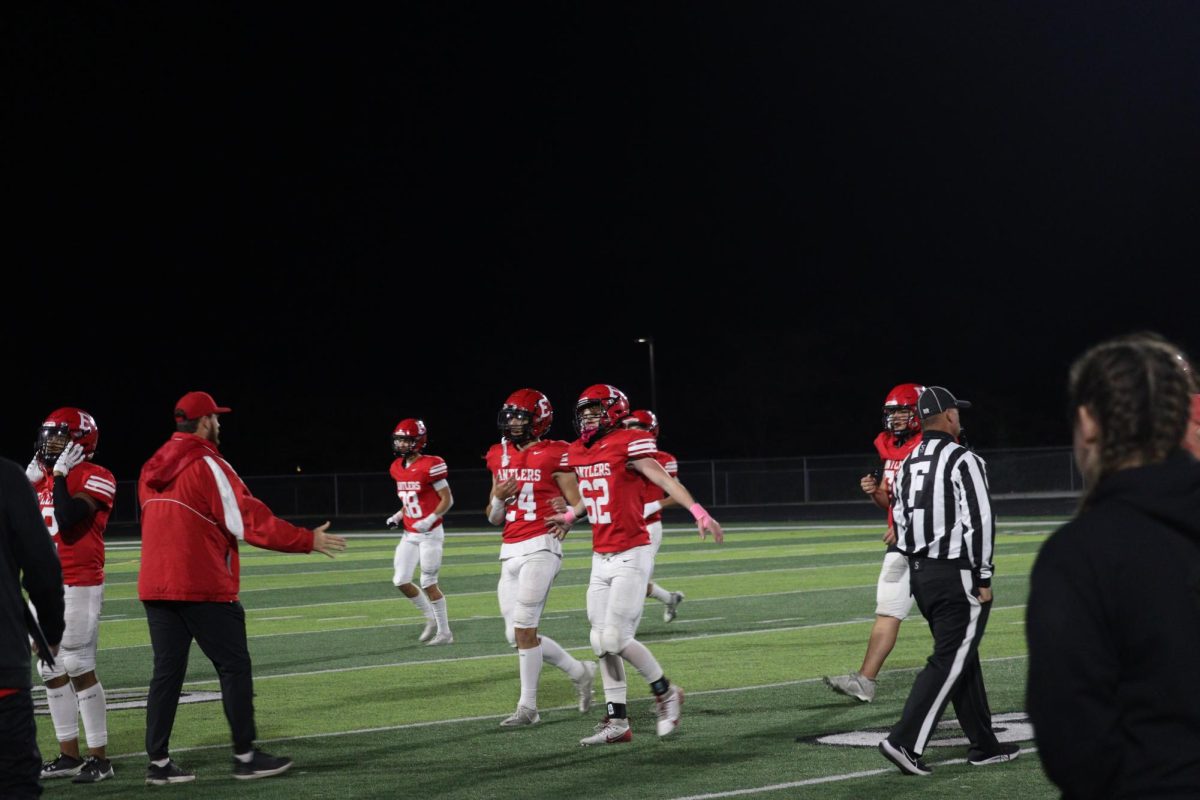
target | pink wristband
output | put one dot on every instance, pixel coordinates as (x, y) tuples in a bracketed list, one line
[(569, 515), (698, 512)]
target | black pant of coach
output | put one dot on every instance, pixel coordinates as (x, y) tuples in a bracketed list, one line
[(220, 630), (946, 594)]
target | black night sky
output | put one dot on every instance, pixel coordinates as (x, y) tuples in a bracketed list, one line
[(333, 218)]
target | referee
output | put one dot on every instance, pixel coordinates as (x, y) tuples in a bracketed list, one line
[(944, 525)]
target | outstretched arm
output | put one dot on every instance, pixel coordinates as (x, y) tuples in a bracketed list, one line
[(654, 473)]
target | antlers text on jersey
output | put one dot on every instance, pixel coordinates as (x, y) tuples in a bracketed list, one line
[(409, 486), (521, 475), (593, 470)]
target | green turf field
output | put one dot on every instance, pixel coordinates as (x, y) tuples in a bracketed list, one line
[(344, 688)]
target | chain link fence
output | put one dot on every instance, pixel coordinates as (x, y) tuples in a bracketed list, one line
[(731, 483)]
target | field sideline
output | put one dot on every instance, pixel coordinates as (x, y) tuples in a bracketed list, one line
[(343, 686)]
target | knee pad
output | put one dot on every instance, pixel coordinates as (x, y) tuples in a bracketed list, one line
[(614, 638), (597, 646), (50, 673), (428, 578), (77, 662)]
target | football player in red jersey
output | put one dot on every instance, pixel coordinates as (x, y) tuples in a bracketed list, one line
[(655, 501), (76, 498), (422, 487), (893, 599), (527, 473), (613, 465)]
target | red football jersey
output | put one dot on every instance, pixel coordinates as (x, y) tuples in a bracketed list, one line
[(414, 487), (612, 492), (533, 468), (655, 492), (892, 454), (83, 560)]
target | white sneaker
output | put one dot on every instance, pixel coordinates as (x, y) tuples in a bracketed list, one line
[(669, 708), (672, 606), (430, 630), (609, 731), (583, 686), (853, 685), (524, 715), (441, 638)]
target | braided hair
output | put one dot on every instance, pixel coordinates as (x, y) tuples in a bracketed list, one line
[(1138, 388)]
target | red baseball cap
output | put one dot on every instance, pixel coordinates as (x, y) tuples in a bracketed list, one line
[(194, 405)]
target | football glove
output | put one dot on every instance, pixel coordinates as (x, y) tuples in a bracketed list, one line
[(71, 456)]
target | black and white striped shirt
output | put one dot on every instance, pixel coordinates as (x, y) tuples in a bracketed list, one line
[(941, 507)]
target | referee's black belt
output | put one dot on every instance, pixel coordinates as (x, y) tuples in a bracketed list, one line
[(922, 563)]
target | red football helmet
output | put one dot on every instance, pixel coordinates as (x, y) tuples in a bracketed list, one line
[(409, 437), (614, 407), (527, 410), (642, 418), (900, 410), (66, 425)]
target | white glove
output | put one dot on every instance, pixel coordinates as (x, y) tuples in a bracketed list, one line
[(396, 520), (425, 523), (651, 507), (34, 471), (71, 456)]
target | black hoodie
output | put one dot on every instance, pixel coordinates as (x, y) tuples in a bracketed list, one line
[(25, 547), (1113, 626)]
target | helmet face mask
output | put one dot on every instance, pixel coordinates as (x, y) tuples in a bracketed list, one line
[(525, 416), (601, 407), (900, 410), (63, 426), (409, 438)]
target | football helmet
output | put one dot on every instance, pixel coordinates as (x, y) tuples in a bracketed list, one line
[(525, 415), (408, 438), (66, 425), (642, 418), (900, 410), (614, 407)]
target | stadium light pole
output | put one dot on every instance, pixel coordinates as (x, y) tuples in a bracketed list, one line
[(649, 340)]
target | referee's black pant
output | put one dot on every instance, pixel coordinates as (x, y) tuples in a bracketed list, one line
[(945, 593), (220, 630)]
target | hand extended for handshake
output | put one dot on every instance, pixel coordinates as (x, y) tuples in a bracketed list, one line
[(327, 543)]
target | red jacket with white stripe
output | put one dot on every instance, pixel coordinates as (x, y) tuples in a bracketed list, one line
[(195, 510)]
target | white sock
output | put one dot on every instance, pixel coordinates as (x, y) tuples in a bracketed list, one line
[(245, 757), (643, 660), (659, 593), (162, 762), (422, 604), (95, 715), (64, 711), (439, 613), (555, 656), (531, 669), (612, 671)]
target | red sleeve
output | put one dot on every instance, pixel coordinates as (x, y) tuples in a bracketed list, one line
[(94, 481), (259, 526), (559, 456), (437, 470), (642, 446)]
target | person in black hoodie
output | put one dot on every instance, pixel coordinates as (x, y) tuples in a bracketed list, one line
[(1113, 620), (25, 547)]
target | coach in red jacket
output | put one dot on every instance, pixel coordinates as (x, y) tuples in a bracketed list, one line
[(195, 510)]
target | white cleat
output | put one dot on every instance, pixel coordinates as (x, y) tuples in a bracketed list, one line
[(430, 630), (583, 686), (609, 731), (441, 638), (522, 716), (669, 708), (672, 606), (854, 685)]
